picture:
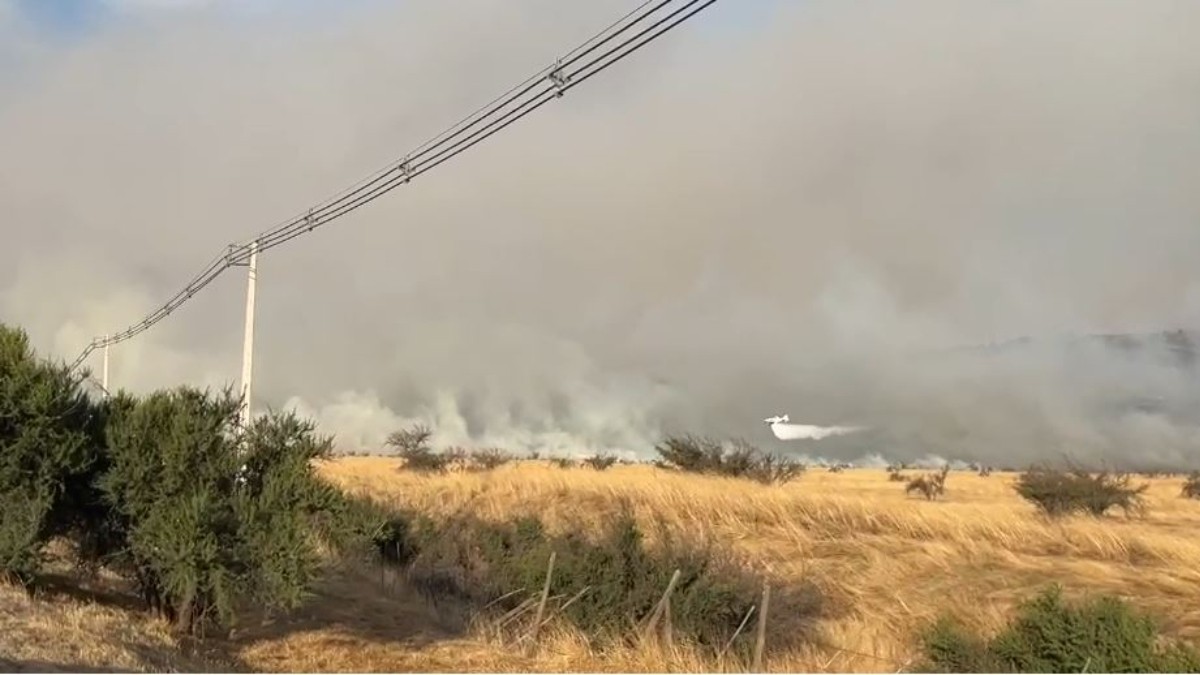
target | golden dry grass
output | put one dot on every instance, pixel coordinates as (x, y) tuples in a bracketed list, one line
[(79, 632), (894, 563)]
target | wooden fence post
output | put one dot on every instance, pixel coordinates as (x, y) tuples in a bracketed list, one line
[(658, 609), (760, 642), (541, 610), (668, 629)]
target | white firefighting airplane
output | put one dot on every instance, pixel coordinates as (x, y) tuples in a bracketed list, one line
[(785, 431)]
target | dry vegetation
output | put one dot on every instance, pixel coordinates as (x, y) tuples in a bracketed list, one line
[(1191, 486), (888, 565), (931, 485)]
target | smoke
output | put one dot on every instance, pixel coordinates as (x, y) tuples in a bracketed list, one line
[(782, 206)]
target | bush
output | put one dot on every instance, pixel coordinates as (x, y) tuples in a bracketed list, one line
[(1191, 486), (412, 439), (455, 458), (563, 462), (203, 518), (281, 504), (412, 445), (359, 525), (982, 470), (600, 462), (209, 519), (1061, 492), (1049, 635), (489, 459), (173, 474), (774, 470), (740, 460), (50, 438), (692, 454), (611, 580), (932, 485)]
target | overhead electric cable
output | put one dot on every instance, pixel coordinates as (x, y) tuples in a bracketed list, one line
[(408, 164), (535, 91), (287, 233)]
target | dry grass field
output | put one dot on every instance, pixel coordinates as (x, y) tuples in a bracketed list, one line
[(887, 563)]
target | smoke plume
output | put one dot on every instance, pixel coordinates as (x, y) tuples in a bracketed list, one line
[(781, 207)]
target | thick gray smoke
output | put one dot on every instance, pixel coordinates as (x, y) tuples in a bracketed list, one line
[(781, 208)]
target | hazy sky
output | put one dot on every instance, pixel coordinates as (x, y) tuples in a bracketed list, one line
[(766, 212)]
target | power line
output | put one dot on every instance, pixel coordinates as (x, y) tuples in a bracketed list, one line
[(290, 231), (497, 104), (419, 161), (535, 91)]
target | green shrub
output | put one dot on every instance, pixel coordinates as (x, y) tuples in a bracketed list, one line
[(613, 579), (1191, 486), (174, 467), (741, 460), (1050, 635), (563, 462), (358, 525), (280, 502), (50, 435), (1061, 492), (212, 519)]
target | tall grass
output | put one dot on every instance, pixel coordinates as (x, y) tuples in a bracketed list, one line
[(887, 565)]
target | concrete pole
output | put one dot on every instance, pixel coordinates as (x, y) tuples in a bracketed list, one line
[(104, 370), (248, 342)]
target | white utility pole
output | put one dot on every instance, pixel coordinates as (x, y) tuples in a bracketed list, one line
[(104, 370), (248, 343)]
